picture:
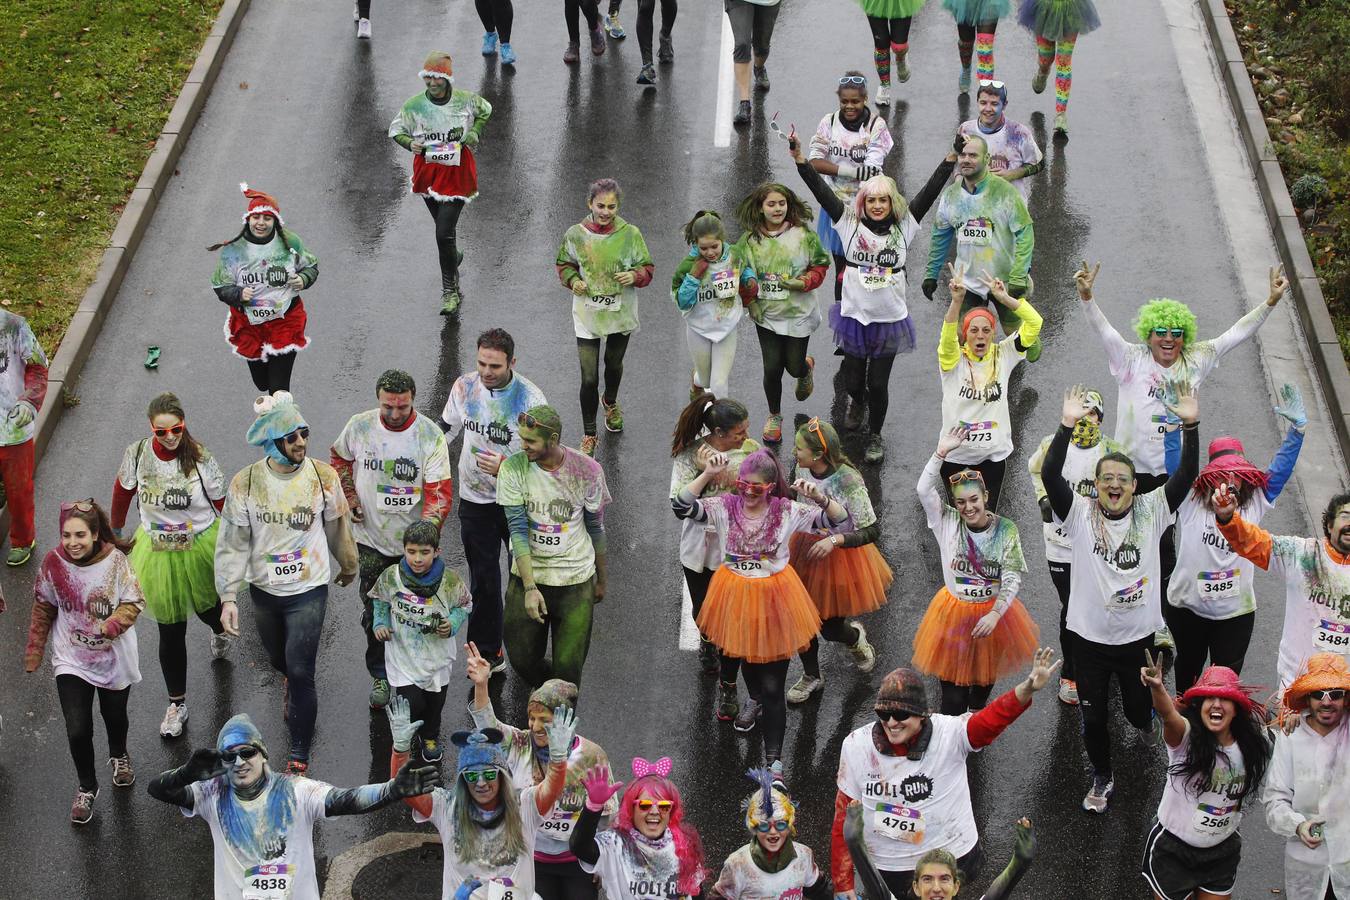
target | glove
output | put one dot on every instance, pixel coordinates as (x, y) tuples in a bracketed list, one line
[(21, 414), (560, 733), (1017, 291), (410, 782), (400, 728), (865, 172), (1047, 513), (598, 788), (1025, 846), (1292, 409), (929, 287), (203, 765), (960, 143), (466, 888)]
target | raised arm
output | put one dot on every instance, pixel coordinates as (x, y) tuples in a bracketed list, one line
[(1247, 326), (928, 194), (1052, 472), (1174, 723), (1024, 851), (1248, 540), (1112, 342), (175, 785), (931, 491), (1291, 409), (949, 344), (1034, 466), (831, 205), (873, 886), (1187, 409), (402, 730), (599, 790), (407, 782), (1030, 328)]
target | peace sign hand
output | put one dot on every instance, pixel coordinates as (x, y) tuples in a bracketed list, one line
[(476, 667), (1151, 674), (1084, 278), (1224, 501)]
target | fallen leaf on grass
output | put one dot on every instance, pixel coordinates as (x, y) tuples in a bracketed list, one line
[(243, 85)]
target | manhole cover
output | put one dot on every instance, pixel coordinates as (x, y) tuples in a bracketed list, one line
[(413, 874)]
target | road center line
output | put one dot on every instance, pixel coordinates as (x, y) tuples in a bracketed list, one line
[(722, 124)]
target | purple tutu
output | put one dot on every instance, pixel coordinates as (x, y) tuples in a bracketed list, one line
[(1058, 19), (871, 341)]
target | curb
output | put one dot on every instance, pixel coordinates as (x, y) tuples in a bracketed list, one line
[(1318, 331)]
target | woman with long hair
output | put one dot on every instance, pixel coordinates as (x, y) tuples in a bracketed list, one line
[(86, 600), (180, 491), (712, 285)]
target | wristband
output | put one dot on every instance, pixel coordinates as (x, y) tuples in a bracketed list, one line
[(1190, 426)]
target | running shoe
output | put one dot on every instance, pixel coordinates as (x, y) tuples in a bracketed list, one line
[(901, 70), (489, 43), (773, 430), (807, 383), (499, 663), (297, 767), (727, 705), (776, 770), (82, 809), (1061, 127), (123, 775), (588, 444), (748, 716), (876, 450), (742, 116), (1038, 80), (174, 717), (1068, 692), (853, 416), (761, 78), (450, 301), (1164, 643), (508, 55), (665, 49), (598, 42), (220, 645), (963, 84), (1152, 732), (20, 555), (1103, 786), (363, 30), (380, 692), (804, 688), (647, 75), (613, 415), (432, 753), (883, 97), (613, 28), (572, 54), (708, 659), (863, 653)]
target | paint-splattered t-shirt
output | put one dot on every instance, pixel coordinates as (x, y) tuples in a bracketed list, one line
[(174, 507), (751, 555), (636, 870), (835, 142), (700, 546), (488, 418), (519, 872), (1210, 579), (390, 469), (18, 348), (264, 847), (447, 171), (776, 258), (1011, 147), (1205, 816), (741, 879), (608, 307), (1317, 602), (975, 394), (267, 269), (985, 224), (846, 487), (975, 564), (874, 278), (716, 308), (84, 597), (559, 547), (415, 654)]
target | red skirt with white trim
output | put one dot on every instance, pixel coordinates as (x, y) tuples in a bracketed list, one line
[(282, 335), (446, 182)]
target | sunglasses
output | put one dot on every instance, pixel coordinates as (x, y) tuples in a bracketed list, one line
[(301, 434), (81, 505), (813, 426), (229, 756), (853, 79), (778, 129), (1333, 694), (530, 421), (987, 82), (753, 488), (765, 827), (886, 715), (165, 432), (965, 475), (1174, 332), (646, 805), (487, 776)]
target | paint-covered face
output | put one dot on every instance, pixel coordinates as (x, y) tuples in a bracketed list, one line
[(244, 773), (803, 454), (168, 430), (653, 821), (877, 205), (395, 409), (540, 718), (1167, 346), (772, 840), (76, 538), (294, 446), (494, 369), (754, 498), (437, 88), (991, 108), (935, 881), (1115, 486), (1327, 712), (724, 441), (484, 793), (710, 248), (774, 208), (536, 442), (979, 336), (970, 162), (419, 557), (604, 207), (1217, 714), (969, 499), (1338, 531), (260, 225), (852, 102)]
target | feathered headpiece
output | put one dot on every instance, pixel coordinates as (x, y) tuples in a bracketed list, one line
[(769, 802)]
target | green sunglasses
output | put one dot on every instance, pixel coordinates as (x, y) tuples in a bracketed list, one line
[(488, 775)]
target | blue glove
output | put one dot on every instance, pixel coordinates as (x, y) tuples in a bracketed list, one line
[(466, 888)]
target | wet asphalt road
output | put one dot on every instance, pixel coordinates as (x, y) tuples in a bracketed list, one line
[(301, 111)]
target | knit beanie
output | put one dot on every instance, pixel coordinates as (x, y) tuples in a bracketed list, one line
[(902, 690), (277, 416)]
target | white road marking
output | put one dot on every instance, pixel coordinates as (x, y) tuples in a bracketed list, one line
[(722, 123), (689, 636)]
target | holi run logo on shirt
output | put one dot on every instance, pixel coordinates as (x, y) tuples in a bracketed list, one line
[(99, 605), (560, 510), (888, 258), (990, 393), (300, 518), (400, 469), (272, 276), (1126, 556)]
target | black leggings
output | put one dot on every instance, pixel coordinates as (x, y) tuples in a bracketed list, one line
[(589, 8), (426, 706), (968, 32), (563, 881), (496, 15), (446, 215), (272, 374), (868, 381), (781, 353), (993, 476), (1059, 575), (646, 13), (363, 8), (77, 705), (173, 650), (957, 698), (767, 683), (837, 630), (886, 32), (588, 349), (698, 586), (1223, 641)]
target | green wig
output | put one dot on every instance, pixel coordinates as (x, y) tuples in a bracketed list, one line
[(1163, 313)]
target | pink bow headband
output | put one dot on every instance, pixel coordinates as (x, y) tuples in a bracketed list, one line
[(642, 768)]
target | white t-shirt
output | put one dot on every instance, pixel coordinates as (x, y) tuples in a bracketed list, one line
[(976, 394), (1309, 778), (415, 654), (741, 879), (700, 546), (835, 143), (772, 556), (488, 418), (975, 564), (1203, 818), (561, 552), (84, 596), (1316, 603), (638, 871), (717, 308), (912, 806), (1210, 579), (1080, 471), (519, 872), (1011, 147), (1114, 596), (256, 857), (174, 507), (390, 469), (874, 279)]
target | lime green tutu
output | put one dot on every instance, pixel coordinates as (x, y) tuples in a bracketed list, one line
[(977, 12), (1057, 19), (180, 582), (892, 9)]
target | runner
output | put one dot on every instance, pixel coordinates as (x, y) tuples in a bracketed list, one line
[(362, 15), (285, 523), (262, 822), (440, 127), (485, 404), (260, 275), (180, 490), (1211, 602), (646, 14), (870, 318), (421, 604), (712, 285), (86, 598), (976, 23), (650, 852), (908, 770), (572, 9), (1013, 153), (23, 387), (757, 610), (603, 260), (1316, 572), (841, 569), (752, 24), (1086, 447), (993, 231), (554, 499), (558, 876), (848, 148), (706, 427), (1057, 25), (497, 17), (889, 21), (395, 470), (976, 630), (1217, 753), (790, 264), (975, 375), (1115, 605), (488, 826), (1308, 782), (772, 864)]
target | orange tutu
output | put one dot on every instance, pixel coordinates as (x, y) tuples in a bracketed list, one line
[(943, 645), (758, 620), (850, 581)]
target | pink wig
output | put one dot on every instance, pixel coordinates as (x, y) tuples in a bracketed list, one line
[(688, 845), (764, 464)]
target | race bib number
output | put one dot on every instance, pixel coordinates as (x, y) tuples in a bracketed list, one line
[(503, 889), (268, 882), (752, 566), (1332, 637), (723, 284), (547, 536), (1158, 431), (445, 154), (411, 609), (171, 537), (980, 432), (1127, 599), (899, 823), (397, 497), (90, 641), (874, 278), (978, 589), (1215, 821), (265, 311), (287, 568), (607, 302), (771, 288), (975, 232), (559, 826), (1217, 587)]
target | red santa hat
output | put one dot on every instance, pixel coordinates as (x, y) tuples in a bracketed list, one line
[(258, 202), (438, 65)]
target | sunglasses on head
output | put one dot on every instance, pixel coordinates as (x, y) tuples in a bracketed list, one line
[(965, 475), (488, 776), (165, 432), (765, 827), (229, 756), (661, 805), (297, 434), (530, 421), (1173, 332), (1333, 694), (813, 426), (853, 79), (988, 82), (890, 715), (753, 488), (81, 505)]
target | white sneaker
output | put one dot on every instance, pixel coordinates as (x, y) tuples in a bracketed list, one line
[(363, 30), (174, 717), (884, 95), (864, 654), (1068, 692), (804, 688), (1099, 795), (220, 645)]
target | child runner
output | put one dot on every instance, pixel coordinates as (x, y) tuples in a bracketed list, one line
[(772, 864), (790, 264), (889, 21), (87, 599), (261, 272), (712, 285), (976, 22), (439, 127), (420, 604), (603, 260), (1057, 25), (842, 569), (181, 491)]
